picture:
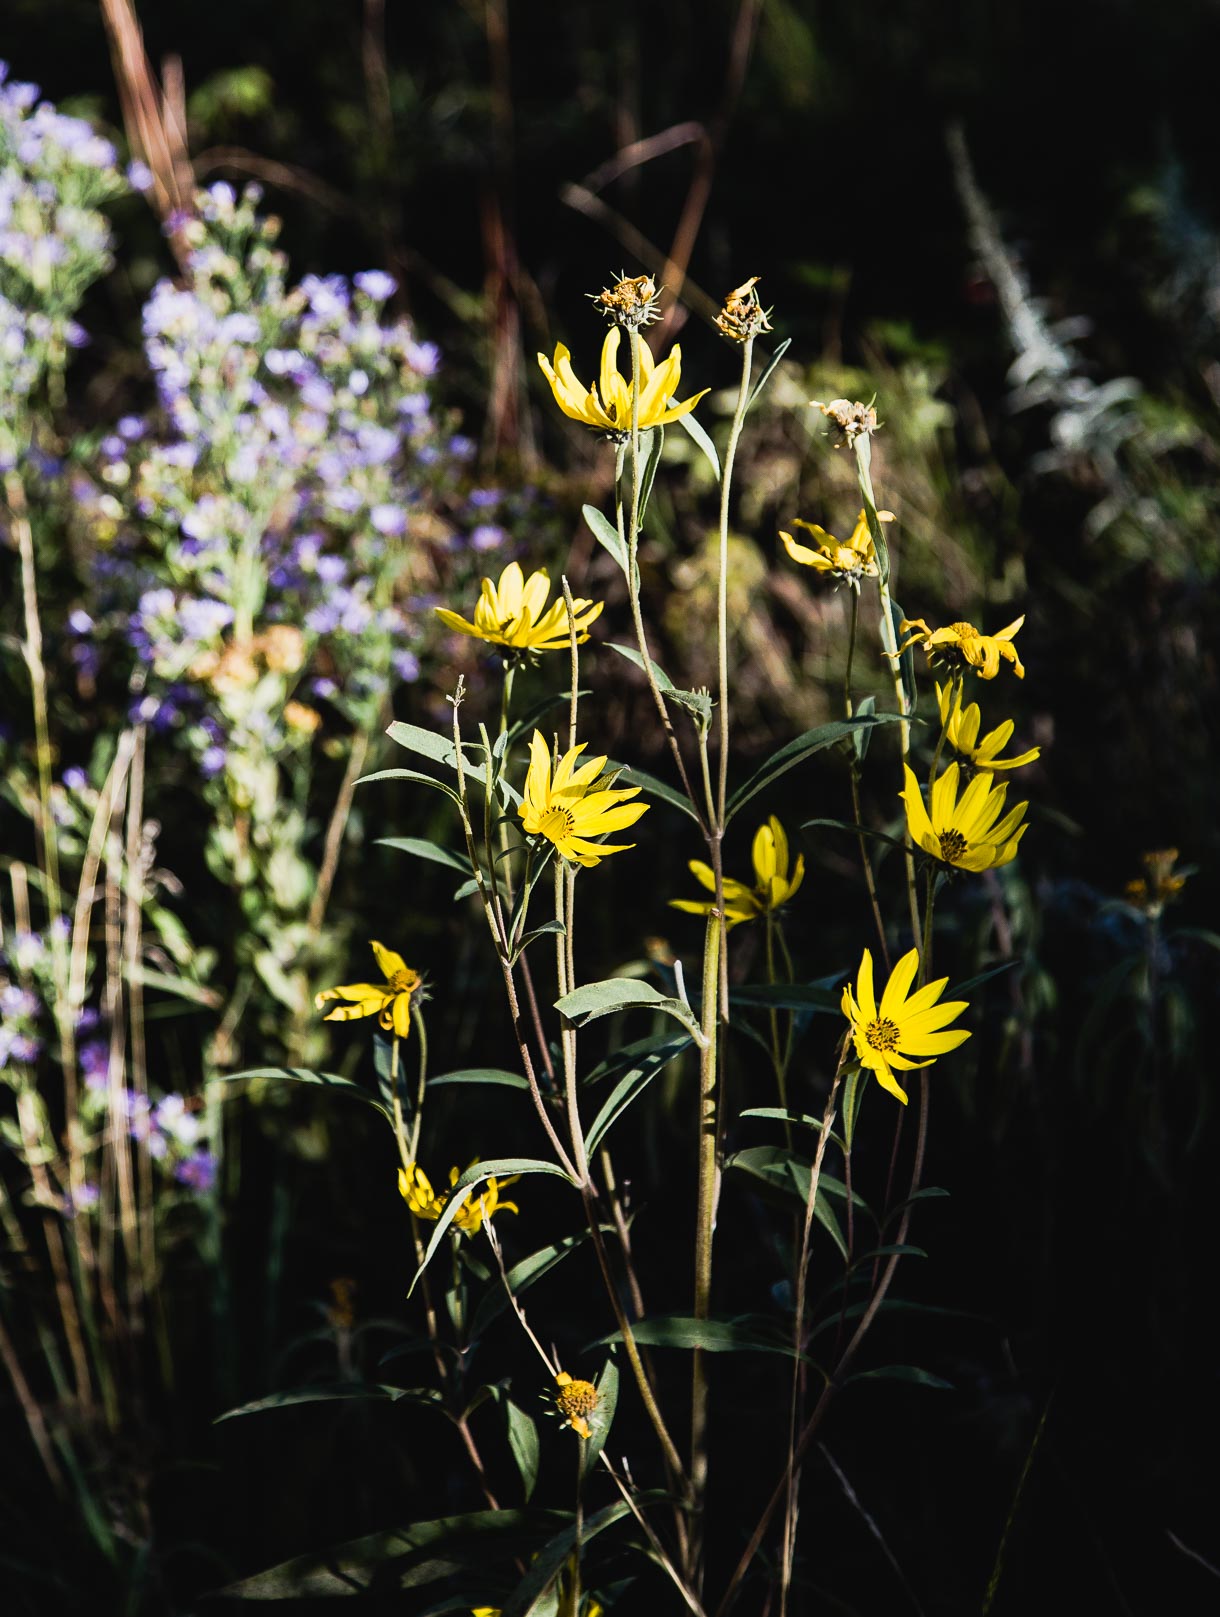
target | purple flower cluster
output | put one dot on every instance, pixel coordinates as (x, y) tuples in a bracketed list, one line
[(54, 173)]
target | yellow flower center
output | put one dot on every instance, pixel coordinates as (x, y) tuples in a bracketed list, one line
[(965, 631), (577, 1398), (952, 846), (557, 823), (882, 1034), (402, 982)]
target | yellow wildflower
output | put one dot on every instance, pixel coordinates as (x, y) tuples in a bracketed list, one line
[(773, 886), (416, 1190), (514, 613), (607, 406), (576, 1401), (961, 728), (967, 835), (914, 1023), (743, 315), (854, 560), (962, 643), (570, 805), (389, 1002)]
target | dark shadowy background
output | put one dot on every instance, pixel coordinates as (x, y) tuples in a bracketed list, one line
[(1076, 1134)]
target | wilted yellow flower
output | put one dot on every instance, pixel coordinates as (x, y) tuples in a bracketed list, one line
[(607, 407), (914, 1023), (961, 726), (968, 835), (389, 1002), (852, 561), (851, 418), (514, 613), (1153, 891), (961, 643), (576, 1401), (633, 300), (571, 806), (416, 1190), (772, 888), (743, 315)]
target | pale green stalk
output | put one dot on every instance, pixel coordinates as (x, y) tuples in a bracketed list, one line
[(889, 644), (870, 880), (705, 1217)]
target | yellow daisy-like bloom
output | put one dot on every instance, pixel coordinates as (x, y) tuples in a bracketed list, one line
[(962, 643), (389, 1002), (416, 1190), (607, 406), (914, 1023), (966, 835), (773, 886), (852, 561), (961, 726), (514, 613), (576, 1401), (568, 807)]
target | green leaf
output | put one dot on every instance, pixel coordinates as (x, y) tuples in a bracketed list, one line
[(353, 1567), (652, 442), (338, 1392), (745, 1334), (903, 1372), (779, 1115), (606, 534), (655, 788), (788, 1173), (959, 990), (523, 1442), (302, 1075), (865, 709), (411, 775), (664, 684), (522, 1276), (815, 996), (427, 743), (631, 1086), (699, 433), (532, 717), (547, 928), (766, 375), (906, 663), (480, 1075), (619, 994), (853, 1098), (550, 1560), (501, 1167), (856, 830), (664, 1046), (607, 1403), (423, 849), (802, 747)]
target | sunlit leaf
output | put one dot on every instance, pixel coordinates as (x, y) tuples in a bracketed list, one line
[(802, 747), (523, 1442), (423, 849), (302, 1075), (619, 994)]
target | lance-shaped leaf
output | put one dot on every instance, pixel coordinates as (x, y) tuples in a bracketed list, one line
[(802, 747), (606, 534), (653, 787), (523, 1445), (745, 1334), (480, 1075), (302, 1075), (698, 432), (423, 849), (552, 1558), (500, 1168), (336, 1392), (523, 1275), (639, 1074), (623, 993)]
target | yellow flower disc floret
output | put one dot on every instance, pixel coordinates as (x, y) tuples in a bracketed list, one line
[(607, 406), (576, 1401), (890, 1035), (514, 613), (569, 806), (852, 561)]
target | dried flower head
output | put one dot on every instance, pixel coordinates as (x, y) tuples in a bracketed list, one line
[(1160, 885), (851, 419), (743, 316), (633, 301)]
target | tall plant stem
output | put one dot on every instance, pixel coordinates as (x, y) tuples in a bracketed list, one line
[(705, 1219), (870, 881), (632, 540), (889, 642), (798, 1336)]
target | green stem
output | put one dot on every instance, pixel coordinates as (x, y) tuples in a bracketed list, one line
[(705, 1219), (421, 1034)]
